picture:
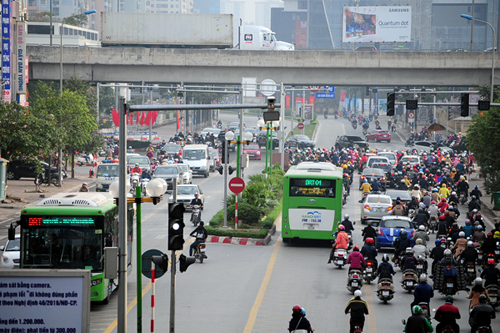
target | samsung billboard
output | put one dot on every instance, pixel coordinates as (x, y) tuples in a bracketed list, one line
[(376, 24)]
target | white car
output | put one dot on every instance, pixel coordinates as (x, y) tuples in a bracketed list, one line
[(185, 193), (375, 206), (11, 253), (187, 174)]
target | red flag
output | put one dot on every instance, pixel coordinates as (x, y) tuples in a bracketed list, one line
[(131, 115), (138, 117), (155, 115), (142, 118), (288, 98), (148, 118), (178, 118), (116, 117), (311, 99)]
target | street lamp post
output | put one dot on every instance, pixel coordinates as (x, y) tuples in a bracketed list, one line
[(493, 51), (262, 124)]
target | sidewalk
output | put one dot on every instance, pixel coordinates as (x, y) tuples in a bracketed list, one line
[(492, 215)]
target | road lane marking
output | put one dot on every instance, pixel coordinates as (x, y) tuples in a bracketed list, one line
[(262, 290), (372, 321)]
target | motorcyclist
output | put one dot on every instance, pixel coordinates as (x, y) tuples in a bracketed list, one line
[(348, 225), (146, 174), (481, 314), (476, 192), (196, 202), (299, 320), (365, 188), (490, 273), (433, 210), (463, 187), (401, 244), (474, 204), (420, 249), (369, 251), (408, 261), (489, 245), (437, 254), (442, 226), (84, 188), (421, 234), (478, 235), (423, 292), (398, 209), (376, 186), (341, 242), (385, 269), (449, 265), (468, 229), (369, 232), (356, 259), (201, 234), (358, 309), (417, 323), (477, 291), (413, 204), (447, 314), (136, 169), (469, 254), (150, 154), (460, 244)]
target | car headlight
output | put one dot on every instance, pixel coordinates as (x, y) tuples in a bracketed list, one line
[(5, 259)]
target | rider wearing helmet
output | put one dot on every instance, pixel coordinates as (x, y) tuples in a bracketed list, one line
[(437, 254), (420, 249), (341, 242), (369, 251), (358, 309), (348, 225), (447, 314), (84, 188), (474, 204), (421, 234), (369, 231), (476, 192), (408, 260), (401, 243), (460, 245), (490, 273), (423, 292), (196, 202), (417, 323), (356, 259), (481, 314), (477, 291), (136, 169), (299, 321), (489, 245), (385, 269)]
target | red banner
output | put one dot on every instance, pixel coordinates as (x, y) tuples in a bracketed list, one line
[(138, 118), (178, 118), (301, 34), (288, 99), (311, 99), (143, 118), (342, 96), (116, 117), (298, 99)]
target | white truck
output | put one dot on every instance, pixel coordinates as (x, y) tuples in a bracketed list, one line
[(185, 31)]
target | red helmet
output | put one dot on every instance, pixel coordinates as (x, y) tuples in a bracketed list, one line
[(442, 217), (490, 235), (369, 240), (296, 309), (491, 261), (355, 248)]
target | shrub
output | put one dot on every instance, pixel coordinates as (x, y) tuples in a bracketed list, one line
[(217, 219), (246, 213)]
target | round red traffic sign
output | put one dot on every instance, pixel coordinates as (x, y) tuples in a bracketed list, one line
[(300, 126), (237, 185), (314, 88), (411, 115)]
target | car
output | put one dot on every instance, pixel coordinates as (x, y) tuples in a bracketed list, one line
[(261, 139), (389, 172), (185, 194), (233, 126), (253, 151), (11, 253), (390, 227), (391, 156), (370, 174), (376, 159), (215, 153), (347, 141), (187, 174), (22, 169), (299, 141), (412, 159), (144, 162), (169, 173), (375, 206), (378, 136), (172, 149), (252, 129), (430, 145), (213, 130), (404, 196)]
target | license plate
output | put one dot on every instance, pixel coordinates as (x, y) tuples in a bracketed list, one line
[(202, 250), (480, 257), (420, 266), (369, 269), (497, 252), (409, 283), (354, 284), (385, 293), (340, 262), (472, 270), (493, 300), (449, 285), (311, 226)]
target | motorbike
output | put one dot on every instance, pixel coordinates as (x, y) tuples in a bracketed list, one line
[(449, 286), (484, 329), (354, 280), (497, 252), (336, 116), (135, 181), (480, 257), (354, 125), (196, 215), (470, 272), (494, 293), (340, 257), (411, 213), (385, 290), (365, 131), (421, 265), (409, 280), (144, 183), (409, 143), (426, 312), (462, 198), (369, 274), (432, 223), (81, 160), (199, 252), (326, 116)]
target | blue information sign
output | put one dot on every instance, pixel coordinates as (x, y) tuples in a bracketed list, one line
[(6, 56), (325, 95)]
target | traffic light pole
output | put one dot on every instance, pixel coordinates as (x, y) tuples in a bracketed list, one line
[(226, 157), (172, 292), (138, 235)]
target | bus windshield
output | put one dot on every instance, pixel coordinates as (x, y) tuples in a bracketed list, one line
[(194, 154), (303, 187), (104, 170), (62, 248)]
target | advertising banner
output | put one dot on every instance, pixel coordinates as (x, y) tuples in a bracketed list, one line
[(6, 19), (301, 34), (311, 219), (21, 57), (379, 24), (288, 99)]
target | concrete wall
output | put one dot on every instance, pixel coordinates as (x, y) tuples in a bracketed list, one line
[(298, 67)]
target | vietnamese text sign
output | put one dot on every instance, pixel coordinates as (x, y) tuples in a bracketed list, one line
[(21, 57), (6, 77), (312, 219), (50, 302), (370, 24)]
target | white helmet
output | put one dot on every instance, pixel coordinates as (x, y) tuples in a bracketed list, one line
[(358, 293), (478, 282), (461, 234), (421, 227), (423, 277), (346, 216)]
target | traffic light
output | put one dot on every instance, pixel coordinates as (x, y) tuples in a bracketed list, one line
[(464, 105), (450, 114), (483, 105), (367, 91), (391, 101), (175, 226), (161, 262), (184, 262), (411, 104), (220, 169), (231, 169), (223, 152)]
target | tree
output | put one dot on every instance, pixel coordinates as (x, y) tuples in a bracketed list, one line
[(482, 141), (76, 20)]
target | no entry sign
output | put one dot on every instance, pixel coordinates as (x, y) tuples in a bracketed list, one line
[(236, 185), (300, 126)]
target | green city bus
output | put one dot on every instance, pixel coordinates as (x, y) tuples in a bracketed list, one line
[(70, 231), (312, 201)]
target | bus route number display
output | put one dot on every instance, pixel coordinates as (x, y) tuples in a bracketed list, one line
[(312, 187), (58, 220)]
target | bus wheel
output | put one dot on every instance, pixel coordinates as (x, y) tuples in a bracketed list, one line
[(286, 240)]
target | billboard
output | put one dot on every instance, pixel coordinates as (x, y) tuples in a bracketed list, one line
[(376, 24), (6, 56)]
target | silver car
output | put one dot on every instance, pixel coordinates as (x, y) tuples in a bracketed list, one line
[(11, 253), (185, 194), (375, 206), (143, 161), (187, 174), (170, 173)]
